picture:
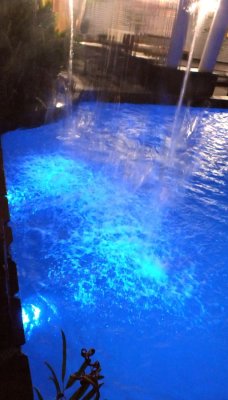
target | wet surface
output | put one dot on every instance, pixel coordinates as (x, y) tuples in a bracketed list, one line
[(124, 247)]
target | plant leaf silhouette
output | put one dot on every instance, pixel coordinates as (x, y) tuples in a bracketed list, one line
[(72, 379), (40, 397), (87, 377), (59, 395), (80, 392), (92, 393), (54, 378), (64, 355)]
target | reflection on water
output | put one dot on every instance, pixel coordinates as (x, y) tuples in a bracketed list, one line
[(121, 251), (95, 238)]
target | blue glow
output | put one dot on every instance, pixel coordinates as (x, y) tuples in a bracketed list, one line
[(38, 312), (123, 251), (31, 316), (97, 239)]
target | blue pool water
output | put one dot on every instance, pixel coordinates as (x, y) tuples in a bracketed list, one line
[(125, 247)]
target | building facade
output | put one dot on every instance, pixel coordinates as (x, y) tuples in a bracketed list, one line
[(151, 19)]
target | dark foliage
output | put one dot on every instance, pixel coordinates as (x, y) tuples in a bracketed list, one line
[(84, 383), (31, 55)]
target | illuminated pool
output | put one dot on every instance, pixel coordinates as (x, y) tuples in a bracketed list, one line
[(125, 248)]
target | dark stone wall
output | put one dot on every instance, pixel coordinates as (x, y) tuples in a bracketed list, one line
[(15, 379), (162, 82)]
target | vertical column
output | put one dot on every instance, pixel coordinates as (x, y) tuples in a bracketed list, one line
[(215, 38), (179, 34), (61, 10)]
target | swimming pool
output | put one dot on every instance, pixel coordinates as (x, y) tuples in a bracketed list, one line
[(125, 248)]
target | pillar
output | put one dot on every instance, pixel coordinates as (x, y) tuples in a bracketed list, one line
[(179, 34), (61, 10), (215, 38)]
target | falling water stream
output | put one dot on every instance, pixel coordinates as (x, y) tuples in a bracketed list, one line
[(71, 48), (71, 53), (139, 276), (177, 129)]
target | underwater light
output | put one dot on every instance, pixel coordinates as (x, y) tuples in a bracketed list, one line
[(25, 317), (59, 104), (30, 317), (36, 313)]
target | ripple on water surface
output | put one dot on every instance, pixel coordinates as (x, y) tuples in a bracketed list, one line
[(98, 239)]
